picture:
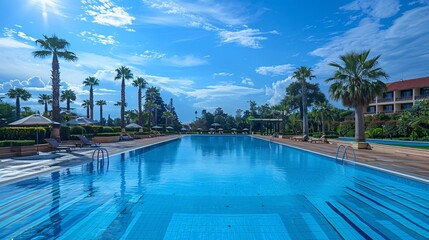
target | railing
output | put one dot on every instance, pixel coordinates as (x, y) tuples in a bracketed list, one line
[(101, 153), (385, 100), (345, 152), (421, 97), (404, 98)]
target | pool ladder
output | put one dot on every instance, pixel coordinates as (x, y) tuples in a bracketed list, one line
[(345, 152), (101, 153)]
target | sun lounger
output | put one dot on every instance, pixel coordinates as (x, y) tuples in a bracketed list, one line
[(322, 139), (300, 138), (86, 142), (126, 137), (57, 146)]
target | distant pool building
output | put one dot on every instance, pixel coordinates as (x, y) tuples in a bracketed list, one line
[(400, 96)]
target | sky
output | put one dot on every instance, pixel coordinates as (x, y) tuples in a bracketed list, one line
[(206, 53)]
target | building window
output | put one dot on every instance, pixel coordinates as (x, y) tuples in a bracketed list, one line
[(388, 95), (371, 109), (407, 93), (406, 106), (388, 108), (424, 91)]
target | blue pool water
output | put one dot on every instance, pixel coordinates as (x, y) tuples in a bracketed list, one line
[(216, 187), (391, 142)]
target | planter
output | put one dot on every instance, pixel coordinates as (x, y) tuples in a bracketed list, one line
[(360, 145), (17, 151), (109, 139)]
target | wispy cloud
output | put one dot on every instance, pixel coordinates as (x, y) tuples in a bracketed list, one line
[(223, 91), (98, 38), (275, 70), (374, 8), (12, 43), (247, 37), (247, 81), (185, 61), (223, 74), (105, 12)]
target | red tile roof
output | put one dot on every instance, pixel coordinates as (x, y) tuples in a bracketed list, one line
[(408, 84)]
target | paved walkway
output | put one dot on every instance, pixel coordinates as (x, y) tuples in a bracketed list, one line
[(410, 161), (19, 168), (399, 159)]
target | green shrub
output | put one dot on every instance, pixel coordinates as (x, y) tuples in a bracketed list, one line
[(77, 130), (390, 128), (108, 134), (65, 132), (21, 133), (106, 130), (116, 129), (97, 129), (9, 143), (346, 128), (377, 133)]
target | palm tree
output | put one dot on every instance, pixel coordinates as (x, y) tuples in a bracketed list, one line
[(91, 81), (123, 73), (357, 83), (18, 94), (101, 103), (86, 104), (68, 96), (56, 47), (301, 75), (323, 111), (167, 115), (45, 99), (196, 115), (141, 84)]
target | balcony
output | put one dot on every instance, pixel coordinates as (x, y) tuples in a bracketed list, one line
[(387, 111), (410, 98), (385, 100), (422, 97)]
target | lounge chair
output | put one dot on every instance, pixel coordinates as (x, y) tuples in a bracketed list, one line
[(126, 137), (57, 146), (86, 142), (300, 138), (322, 139)]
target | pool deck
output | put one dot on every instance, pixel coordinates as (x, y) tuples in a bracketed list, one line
[(403, 160)]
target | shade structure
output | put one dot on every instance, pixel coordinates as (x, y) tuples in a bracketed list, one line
[(215, 125), (81, 121), (133, 125), (169, 127), (245, 129), (199, 129), (211, 129), (233, 129), (183, 129), (220, 129), (34, 120), (156, 127)]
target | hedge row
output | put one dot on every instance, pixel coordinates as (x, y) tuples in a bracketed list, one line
[(23, 133), (11, 143)]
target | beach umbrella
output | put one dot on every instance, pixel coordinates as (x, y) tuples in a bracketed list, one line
[(211, 129), (199, 129), (245, 129), (220, 129), (233, 129), (133, 125), (80, 121), (215, 125), (34, 120), (183, 129), (169, 127), (156, 127)]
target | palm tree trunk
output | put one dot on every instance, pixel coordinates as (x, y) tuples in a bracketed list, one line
[(91, 103), (46, 107), (140, 106), (87, 111), (304, 111), (123, 105), (323, 124), (68, 104), (101, 115), (359, 124), (18, 108), (56, 115)]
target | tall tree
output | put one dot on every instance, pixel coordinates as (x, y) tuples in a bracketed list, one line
[(86, 104), (45, 99), (301, 75), (167, 115), (123, 73), (140, 83), (357, 82), (68, 96), (56, 47), (18, 94), (101, 103), (323, 111), (91, 81)]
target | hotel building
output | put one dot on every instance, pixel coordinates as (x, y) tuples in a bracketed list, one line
[(400, 96)]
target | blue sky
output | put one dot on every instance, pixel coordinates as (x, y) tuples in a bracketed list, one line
[(206, 54)]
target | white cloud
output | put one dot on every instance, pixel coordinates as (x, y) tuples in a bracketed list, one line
[(174, 86), (247, 81), (223, 74), (277, 91), (152, 54), (404, 43), (105, 12), (12, 43), (223, 91), (185, 61), (33, 83), (374, 8), (24, 36), (99, 38), (247, 37), (275, 70)]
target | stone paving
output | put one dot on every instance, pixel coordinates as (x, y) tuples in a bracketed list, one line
[(399, 159)]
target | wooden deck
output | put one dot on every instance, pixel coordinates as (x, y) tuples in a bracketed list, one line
[(410, 161)]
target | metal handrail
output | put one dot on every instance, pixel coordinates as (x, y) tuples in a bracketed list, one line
[(100, 161), (345, 152)]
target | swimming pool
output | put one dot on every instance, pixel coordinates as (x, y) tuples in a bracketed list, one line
[(216, 187), (391, 142)]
